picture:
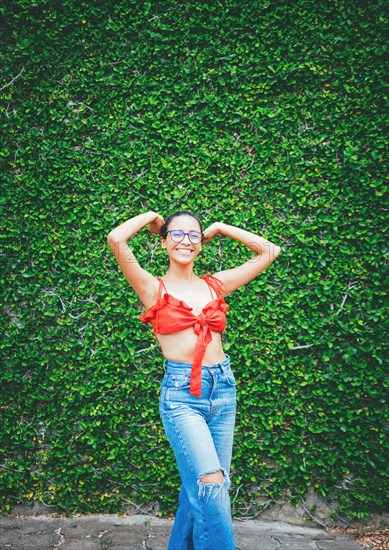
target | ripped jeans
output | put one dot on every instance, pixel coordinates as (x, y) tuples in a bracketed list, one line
[(200, 431)]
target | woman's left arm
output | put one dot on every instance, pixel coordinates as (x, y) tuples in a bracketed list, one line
[(265, 253)]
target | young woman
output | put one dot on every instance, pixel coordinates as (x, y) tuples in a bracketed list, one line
[(198, 393)]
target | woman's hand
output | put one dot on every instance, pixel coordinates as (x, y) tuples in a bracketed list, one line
[(156, 224), (211, 231)]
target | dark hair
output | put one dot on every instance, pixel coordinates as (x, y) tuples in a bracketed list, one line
[(164, 228)]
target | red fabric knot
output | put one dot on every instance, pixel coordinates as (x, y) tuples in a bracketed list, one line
[(200, 323)]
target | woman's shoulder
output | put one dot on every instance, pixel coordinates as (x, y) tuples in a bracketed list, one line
[(215, 282), (152, 293)]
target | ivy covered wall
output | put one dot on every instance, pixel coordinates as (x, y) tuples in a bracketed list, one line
[(267, 115)]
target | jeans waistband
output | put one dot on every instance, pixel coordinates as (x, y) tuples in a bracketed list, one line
[(177, 366)]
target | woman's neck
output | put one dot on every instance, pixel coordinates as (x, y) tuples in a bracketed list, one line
[(181, 273)]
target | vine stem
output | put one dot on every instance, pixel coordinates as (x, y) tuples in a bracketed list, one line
[(13, 80)]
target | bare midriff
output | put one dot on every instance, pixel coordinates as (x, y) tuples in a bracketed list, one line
[(180, 346)]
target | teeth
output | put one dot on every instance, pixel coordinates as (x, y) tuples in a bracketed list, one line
[(184, 251)]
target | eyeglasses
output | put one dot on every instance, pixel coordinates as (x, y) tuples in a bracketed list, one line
[(177, 235)]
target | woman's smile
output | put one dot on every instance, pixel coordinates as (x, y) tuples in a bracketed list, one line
[(184, 251)]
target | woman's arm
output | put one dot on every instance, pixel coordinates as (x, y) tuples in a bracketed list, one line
[(141, 280), (265, 253)]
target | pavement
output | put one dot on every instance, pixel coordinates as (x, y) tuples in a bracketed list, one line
[(142, 532)]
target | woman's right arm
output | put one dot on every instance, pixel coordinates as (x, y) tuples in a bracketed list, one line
[(144, 284)]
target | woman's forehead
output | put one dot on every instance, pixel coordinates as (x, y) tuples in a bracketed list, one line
[(184, 222)]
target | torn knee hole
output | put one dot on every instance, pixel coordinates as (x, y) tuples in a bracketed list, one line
[(214, 477)]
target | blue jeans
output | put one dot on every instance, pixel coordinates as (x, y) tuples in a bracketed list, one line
[(200, 431)]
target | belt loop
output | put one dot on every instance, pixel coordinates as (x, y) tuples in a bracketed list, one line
[(224, 364)]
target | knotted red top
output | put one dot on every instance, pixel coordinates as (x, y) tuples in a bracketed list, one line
[(169, 314)]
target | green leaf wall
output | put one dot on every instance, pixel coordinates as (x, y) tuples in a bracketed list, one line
[(265, 115)]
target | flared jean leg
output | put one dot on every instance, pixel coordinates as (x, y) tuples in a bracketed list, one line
[(200, 431), (182, 530)]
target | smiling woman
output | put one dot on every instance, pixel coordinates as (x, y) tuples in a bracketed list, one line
[(198, 394)]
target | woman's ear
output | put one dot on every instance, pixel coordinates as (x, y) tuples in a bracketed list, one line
[(163, 242)]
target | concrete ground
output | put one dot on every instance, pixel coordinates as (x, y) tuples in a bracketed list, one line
[(111, 532)]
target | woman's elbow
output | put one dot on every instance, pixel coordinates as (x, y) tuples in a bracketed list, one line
[(111, 237), (276, 251)]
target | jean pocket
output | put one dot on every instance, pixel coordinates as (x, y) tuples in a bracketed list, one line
[(178, 381)]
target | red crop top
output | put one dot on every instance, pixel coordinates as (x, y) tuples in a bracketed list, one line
[(169, 314)]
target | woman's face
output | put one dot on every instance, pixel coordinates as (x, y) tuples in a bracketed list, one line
[(185, 251)]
